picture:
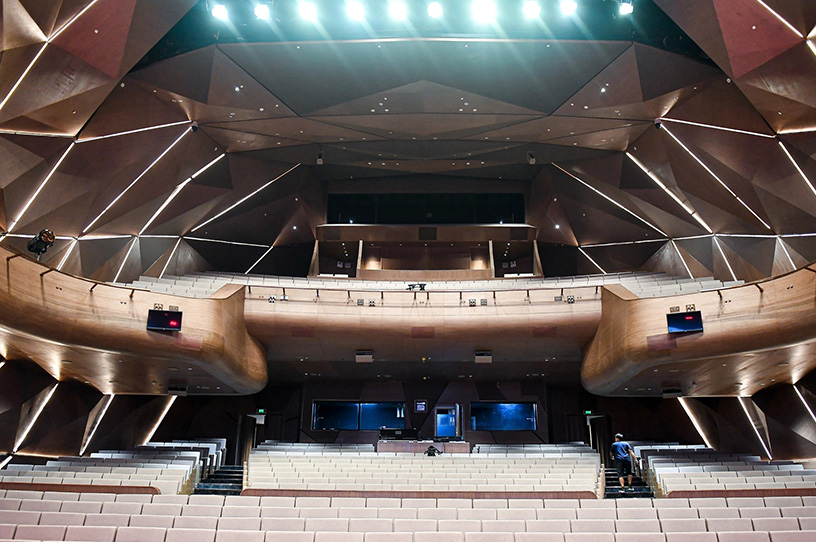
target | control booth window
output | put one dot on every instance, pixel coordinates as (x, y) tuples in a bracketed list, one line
[(502, 416), (353, 416)]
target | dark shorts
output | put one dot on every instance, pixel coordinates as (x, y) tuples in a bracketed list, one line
[(623, 467)]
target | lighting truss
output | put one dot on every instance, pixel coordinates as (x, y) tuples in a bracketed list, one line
[(716, 177), (658, 230)]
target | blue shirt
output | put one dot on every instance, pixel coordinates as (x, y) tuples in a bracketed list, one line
[(621, 451)]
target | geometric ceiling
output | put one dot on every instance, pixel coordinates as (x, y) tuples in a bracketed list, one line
[(645, 158)]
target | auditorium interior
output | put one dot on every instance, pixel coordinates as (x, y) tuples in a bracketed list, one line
[(356, 271)]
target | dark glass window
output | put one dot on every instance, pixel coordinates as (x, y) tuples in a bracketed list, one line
[(503, 416), (353, 416), (425, 209)]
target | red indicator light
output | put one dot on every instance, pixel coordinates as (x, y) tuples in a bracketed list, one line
[(687, 318), (173, 323)]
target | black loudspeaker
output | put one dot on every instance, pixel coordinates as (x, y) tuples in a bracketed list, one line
[(163, 320)]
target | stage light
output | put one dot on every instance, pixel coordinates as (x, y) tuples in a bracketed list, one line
[(435, 10), (627, 7), (41, 243), (219, 11), (483, 10), (397, 10), (568, 7), (355, 10), (531, 10), (262, 12), (307, 11)]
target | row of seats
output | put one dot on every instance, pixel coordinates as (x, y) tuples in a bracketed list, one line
[(641, 284), (450, 472), (169, 467), (672, 469), (182, 518)]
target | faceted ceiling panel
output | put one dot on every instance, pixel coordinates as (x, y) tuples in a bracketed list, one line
[(621, 145)]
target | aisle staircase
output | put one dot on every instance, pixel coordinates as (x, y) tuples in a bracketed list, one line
[(639, 488), (228, 480)]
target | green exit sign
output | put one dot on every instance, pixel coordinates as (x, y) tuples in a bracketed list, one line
[(261, 411), (588, 412)]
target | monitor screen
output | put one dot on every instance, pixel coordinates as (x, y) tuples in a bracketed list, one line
[(163, 320), (684, 322)]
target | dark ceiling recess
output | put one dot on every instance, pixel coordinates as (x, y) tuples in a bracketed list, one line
[(425, 209), (597, 20)]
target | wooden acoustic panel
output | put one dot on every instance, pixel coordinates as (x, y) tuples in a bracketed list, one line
[(754, 335), (96, 333)]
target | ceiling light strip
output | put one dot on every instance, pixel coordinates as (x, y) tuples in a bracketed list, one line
[(804, 403), (812, 46), (74, 18), (39, 188), (714, 127), (753, 426), (799, 169), (727, 263), (33, 419), (624, 243), (96, 423), (142, 174), (41, 51), (25, 72), (259, 260), (591, 260), (674, 196), (242, 200), (35, 134), (237, 243), (178, 190), (172, 399), (6, 461), (682, 259), (106, 237), (67, 253), (611, 200), (170, 258), (778, 16), (124, 261), (710, 172), (135, 131), (797, 131), (785, 250), (695, 422)]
